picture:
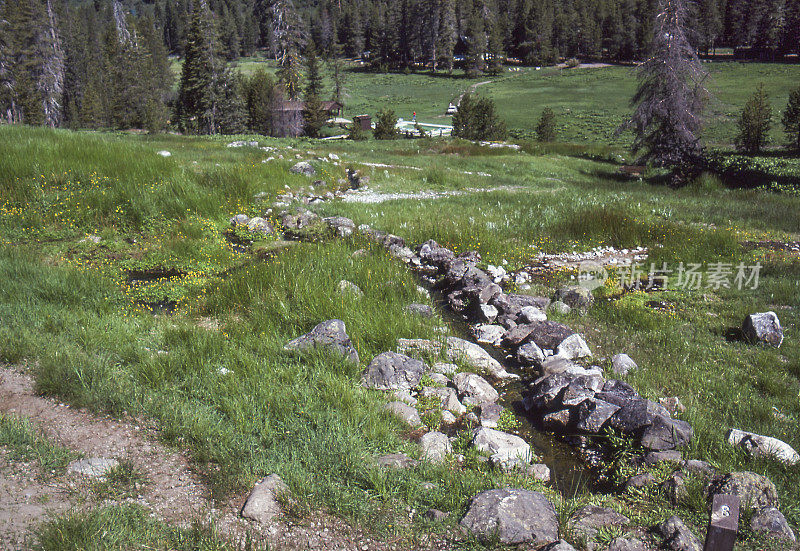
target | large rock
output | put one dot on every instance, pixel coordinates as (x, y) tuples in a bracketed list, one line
[(435, 446), (476, 357), (501, 446), (772, 521), (488, 334), (763, 446), (513, 517), (431, 253), (593, 415), (763, 327), (549, 334), (587, 520), (390, 371), (575, 296), (544, 392), (329, 335), (754, 490), (405, 412), (301, 219), (573, 348), (634, 414), (560, 545), (303, 167), (341, 226), (677, 535), (259, 225), (475, 387), (666, 434), (262, 504), (530, 354), (627, 544)]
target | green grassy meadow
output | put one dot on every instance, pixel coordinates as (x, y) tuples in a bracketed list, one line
[(214, 377), (590, 103)]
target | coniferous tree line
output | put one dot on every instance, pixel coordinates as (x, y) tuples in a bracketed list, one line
[(87, 65)]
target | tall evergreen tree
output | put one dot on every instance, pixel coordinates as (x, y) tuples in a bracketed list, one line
[(791, 120), (198, 92), (671, 94), (755, 122), (314, 115), (476, 47)]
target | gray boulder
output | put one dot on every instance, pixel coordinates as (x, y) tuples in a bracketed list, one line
[(501, 446), (754, 490), (350, 288), (575, 296), (764, 328), (390, 371), (622, 364), (341, 226), (487, 313), (448, 397), (573, 347), (677, 535), (471, 385), (772, 521), (530, 354), (490, 415), (435, 446), (549, 334), (530, 314), (587, 520), (259, 225), (513, 517), (95, 467), (476, 357), (303, 167), (240, 220), (560, 307), (329, 335), (262, 505), (665, 433), (488, 334), (593, 414), (763, 446)]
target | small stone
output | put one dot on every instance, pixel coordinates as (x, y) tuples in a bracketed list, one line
[(772, 521), (640, 481), (575, 296), (390, 371), (94, 467), (501, 446), (488, 313), (262, 504), (329, 335), (489, 334), (560, 545), (530, 354), (303, 167), (435, 446), (753, 489), (622, 364), (474, 386), (627, 544), (587, 520), (444, 368)]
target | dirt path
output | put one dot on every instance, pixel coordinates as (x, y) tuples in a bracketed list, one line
[(171, 490)]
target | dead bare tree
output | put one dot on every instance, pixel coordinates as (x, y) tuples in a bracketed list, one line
[(671, 95), (51, 77)]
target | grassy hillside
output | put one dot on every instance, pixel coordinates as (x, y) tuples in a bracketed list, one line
[(214, 375)]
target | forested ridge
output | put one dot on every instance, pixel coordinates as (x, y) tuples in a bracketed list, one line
[(105, 63)]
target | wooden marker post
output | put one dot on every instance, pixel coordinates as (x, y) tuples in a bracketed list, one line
[(723, 524)]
